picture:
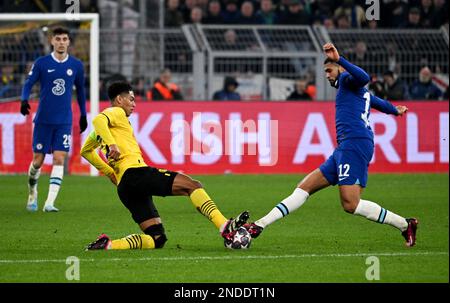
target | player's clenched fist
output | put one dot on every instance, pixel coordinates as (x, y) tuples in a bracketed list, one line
[(331, 51)]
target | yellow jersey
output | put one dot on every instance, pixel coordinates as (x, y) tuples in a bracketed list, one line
[(112, 127)]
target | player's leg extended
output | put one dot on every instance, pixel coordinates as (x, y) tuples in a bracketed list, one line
[(184, 185), (313, 182), (34, 172), (56, 177), (352, 203)]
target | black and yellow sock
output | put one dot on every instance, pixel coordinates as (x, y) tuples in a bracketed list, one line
[(134, 241), (207, 207)]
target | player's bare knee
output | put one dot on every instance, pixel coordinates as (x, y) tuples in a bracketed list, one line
[(58, 160), (196, 184), (38, 160), (193, 185), (37, 164), (349, 206)]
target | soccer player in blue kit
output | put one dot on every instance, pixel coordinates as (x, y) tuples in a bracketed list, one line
[(57, 73), (348, 165)]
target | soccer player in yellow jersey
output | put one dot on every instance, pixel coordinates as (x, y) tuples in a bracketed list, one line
[(137, 182)]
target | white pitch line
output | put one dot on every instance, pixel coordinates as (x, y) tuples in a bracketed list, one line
[(398, 254)]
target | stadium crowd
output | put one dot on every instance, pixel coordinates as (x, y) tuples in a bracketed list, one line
[(332, 14)]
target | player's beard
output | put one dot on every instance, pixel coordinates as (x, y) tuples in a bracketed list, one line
[(334, 83)]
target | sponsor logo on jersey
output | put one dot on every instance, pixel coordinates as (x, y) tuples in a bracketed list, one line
[(50, 70), (59, 88), (69, 72)]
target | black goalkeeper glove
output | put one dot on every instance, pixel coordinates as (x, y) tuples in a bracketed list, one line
[(83, 124), (25, 107)]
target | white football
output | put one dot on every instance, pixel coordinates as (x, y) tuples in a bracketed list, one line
[(241, 239)]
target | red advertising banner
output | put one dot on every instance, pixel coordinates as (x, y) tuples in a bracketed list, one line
[(249, 137)]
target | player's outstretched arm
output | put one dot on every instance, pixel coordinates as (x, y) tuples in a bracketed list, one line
[(88, 151), (358, 77), (386, 107)]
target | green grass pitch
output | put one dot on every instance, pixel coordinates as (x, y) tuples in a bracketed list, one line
[(317, 243)]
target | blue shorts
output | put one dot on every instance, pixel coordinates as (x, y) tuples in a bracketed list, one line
[(349, 163), (50, 137)]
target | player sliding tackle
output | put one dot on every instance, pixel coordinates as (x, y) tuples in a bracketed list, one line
[(137, 182), (348, 165)]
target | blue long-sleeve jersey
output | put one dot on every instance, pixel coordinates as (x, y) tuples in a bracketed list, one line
[(353, 103), (57, 79)]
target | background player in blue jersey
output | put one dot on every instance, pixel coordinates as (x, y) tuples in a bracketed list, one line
[(348, 165), (57, 73)]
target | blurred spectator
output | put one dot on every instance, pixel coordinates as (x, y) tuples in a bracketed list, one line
[(43, 6), (354, 12), (329, 23), (392, 60), (372, 24), (424, 88), (413, 21), (231, 41), (9, 84), (343, 21), (299, 92), (281, 6), (323, 9), (229, 90), (89, 6), (426, 13), (266, 13), (295, 14), (163, 89), (440, 13), (231, 12), (186, 8), (139, 89), (394, 88), (396, 13), (203, 4), (445, 97), (246, 14), (173, 16), (196, 15), (376, 86), (214, 15), (360, 57)]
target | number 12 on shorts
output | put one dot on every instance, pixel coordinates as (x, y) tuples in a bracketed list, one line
[(343, 171)]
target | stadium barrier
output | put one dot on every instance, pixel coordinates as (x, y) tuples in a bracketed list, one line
[(249, 137)]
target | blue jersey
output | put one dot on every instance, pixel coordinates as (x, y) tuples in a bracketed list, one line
[(353, 103), (57, 79)]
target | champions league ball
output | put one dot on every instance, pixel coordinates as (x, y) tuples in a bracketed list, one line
[(241, 239)]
